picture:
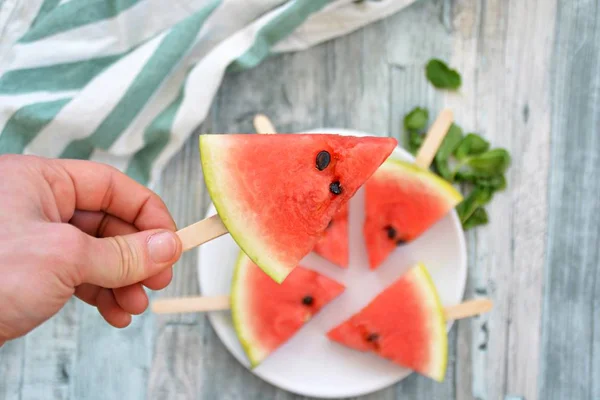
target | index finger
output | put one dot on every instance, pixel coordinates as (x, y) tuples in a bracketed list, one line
[(100, 187)]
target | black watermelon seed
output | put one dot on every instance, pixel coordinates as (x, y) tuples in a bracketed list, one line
[(307, 300), (323, 160), (329, 224), (335, 187), (400, 242), (391, 232), (373, 337)]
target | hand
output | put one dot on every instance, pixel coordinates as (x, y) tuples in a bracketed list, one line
[(70, 227)]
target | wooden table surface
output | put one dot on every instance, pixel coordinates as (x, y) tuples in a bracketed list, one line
[(531, 83)]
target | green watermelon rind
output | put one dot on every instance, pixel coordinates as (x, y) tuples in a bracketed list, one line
[(237, 313), (277, 274), (439, 371), (453, 195)]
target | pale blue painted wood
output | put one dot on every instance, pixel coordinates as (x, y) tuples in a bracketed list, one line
[(571, 336), (368, 80)]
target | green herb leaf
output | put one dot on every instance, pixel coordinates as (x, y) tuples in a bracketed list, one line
[(490, 163), (415, 140), (478, 197), (441, 76), (496, 182), (479, 217), (448, 146), (416, 119), (471, 145)]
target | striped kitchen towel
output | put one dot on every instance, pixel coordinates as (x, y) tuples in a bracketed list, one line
[(125, 82)]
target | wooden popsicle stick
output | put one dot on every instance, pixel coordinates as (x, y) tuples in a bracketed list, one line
[(263, 125), (467, 309), (434, 138), (201, 232), (177, 305)]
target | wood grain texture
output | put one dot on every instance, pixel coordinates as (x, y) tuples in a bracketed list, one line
[(530, 84), (503, 49), (571, 336), (12, 356), (49, 357)]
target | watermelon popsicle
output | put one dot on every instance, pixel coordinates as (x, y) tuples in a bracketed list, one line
[(404, 324), (276, 194), (402, 201), (267, 314)]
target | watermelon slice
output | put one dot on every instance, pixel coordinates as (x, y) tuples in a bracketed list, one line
[(402, 201), (404, 323), (266, 314), (334, 244), (277, 193)]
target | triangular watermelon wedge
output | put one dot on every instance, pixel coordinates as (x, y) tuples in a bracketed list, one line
[(402, 201), (277, 193), (333, 246), (267, 314), (404, 323)]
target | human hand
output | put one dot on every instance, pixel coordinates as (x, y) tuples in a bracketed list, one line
[(70, 227)]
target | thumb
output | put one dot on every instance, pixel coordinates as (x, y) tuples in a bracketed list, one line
[(123, 260)]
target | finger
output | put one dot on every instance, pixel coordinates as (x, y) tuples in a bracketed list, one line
[(87, 293), (99, 187), (123, 260), (101, 224), (131, 298), (160, 280), (110, 310)]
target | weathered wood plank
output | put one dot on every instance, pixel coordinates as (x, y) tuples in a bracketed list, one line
[(49, 356), (529, 88), (464, 21), (571, 337), (368, 80), (506, 257), (111, 363), (12, 356)]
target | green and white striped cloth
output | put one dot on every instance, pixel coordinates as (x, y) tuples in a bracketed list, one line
[(125, 82)]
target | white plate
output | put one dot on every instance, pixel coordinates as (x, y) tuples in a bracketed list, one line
[(309, 364)]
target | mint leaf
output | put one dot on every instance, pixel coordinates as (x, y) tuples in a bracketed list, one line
[(478, 197), (442, 157), (471, 145), (479, 217), (415, 140), (490, 163), (441, 76), (416, 119), (496, 182)]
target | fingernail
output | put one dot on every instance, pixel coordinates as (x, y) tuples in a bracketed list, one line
[(162, 247)]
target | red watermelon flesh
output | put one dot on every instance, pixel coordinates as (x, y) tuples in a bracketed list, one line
[(267, 314), (334, 244), (404, 324), (402, 201), (273, 198)]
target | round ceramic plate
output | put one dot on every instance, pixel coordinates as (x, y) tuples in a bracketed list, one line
[(309, 364)]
